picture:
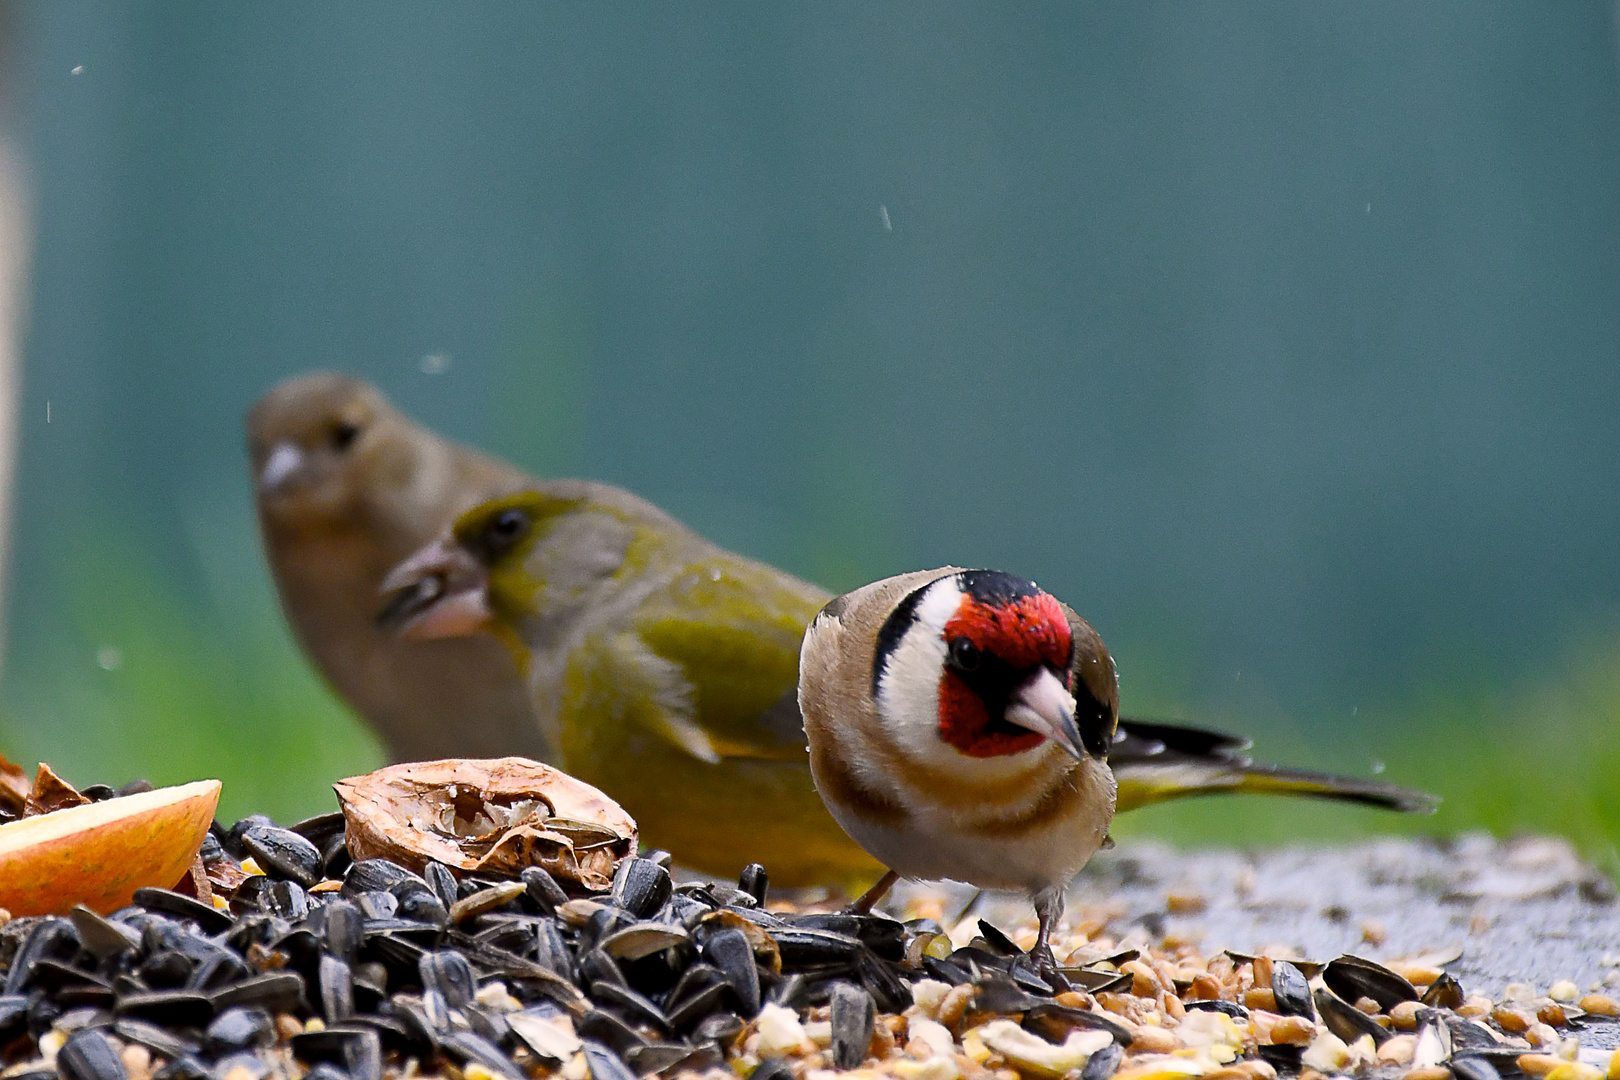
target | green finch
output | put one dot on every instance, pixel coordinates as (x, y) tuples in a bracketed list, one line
[(666, 670), (346, 487)]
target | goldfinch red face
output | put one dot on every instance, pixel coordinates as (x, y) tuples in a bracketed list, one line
[(978, 665)]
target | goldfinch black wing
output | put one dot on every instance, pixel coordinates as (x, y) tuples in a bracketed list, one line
[(1155, 762)]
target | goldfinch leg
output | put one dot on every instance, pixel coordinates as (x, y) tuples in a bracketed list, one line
[(868, 900), (1048, 909)]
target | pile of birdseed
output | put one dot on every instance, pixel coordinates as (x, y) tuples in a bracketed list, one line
[(311, 965)]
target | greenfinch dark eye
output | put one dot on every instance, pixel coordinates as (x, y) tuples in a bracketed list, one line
[(964, 654), (508, 526)]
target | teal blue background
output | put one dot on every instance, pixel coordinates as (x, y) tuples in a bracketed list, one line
[(1282, 339)]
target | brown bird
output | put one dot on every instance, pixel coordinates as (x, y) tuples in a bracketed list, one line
[(346, 487)]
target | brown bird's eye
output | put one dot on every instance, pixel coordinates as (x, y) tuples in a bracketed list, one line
[(344, 434), (964, 654)]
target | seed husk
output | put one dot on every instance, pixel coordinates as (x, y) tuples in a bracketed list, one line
[(89, 1056), (284, 852), (853, 1015)]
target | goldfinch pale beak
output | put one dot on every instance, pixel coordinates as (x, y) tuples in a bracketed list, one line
[(284, 460), (1043, 706), (440, 592)]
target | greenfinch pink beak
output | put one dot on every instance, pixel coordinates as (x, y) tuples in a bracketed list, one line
[(440, 592)]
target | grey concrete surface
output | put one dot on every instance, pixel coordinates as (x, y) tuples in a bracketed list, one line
[(1520, 911)]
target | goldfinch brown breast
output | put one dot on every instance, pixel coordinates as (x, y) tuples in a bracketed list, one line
[(958, 724)]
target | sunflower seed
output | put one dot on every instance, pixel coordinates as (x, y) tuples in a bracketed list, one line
[(729, 951), (208, 919), (604, 1064), (755, 882), (1104, 1063), (90, 1056), (1473, 1067), (543, 889), (1346, 1021), (643, 939), (1353, 978), (1292, 992), (442, 882), (285, 900), (337, 990), (485, 900), (159, 1040), (238, 1029), (449, 974), (100, 936), (284, 852), (641, 887), (853, 1016)]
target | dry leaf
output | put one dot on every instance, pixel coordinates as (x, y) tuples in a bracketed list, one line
[(51, 792), (14, 788), (493, 816), (100, 853)]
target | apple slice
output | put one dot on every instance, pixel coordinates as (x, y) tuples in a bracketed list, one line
[(98, 855)]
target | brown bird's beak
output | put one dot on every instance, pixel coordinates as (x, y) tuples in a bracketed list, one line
[(1045, 707), (440, 592), (286, 460)]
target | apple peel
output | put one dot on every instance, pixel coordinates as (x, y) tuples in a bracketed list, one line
[(487, 816), (99, 854)]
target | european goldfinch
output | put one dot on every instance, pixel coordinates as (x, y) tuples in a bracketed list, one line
[(959, 723), (346, 487)]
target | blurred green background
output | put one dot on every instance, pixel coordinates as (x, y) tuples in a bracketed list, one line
[(1282, 339)]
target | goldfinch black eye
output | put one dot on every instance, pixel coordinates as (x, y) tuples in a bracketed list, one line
[(344, 434), (964, 654)]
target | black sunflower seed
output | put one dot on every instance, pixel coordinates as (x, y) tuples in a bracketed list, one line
[(607, 1029), (543, 889), (1104, 1063), (176, 1008), (284, 852), (1346, 1021), (337, 990), (449, 974), (1444, 993), (233, 837), (441, 881), (1292, 992), (636, 1006), (729, 951), (277, 991), (469, 1047), (641, 887), (420, 905), (755, 882), (238, 1029), (1353, 978), (853, 1016), (604, 1063), (284, 899), (208, 918), (375, 875), (49, 938), (89, 1056), (160, 1041), (1473, 1067), (100, 936), (343, 929), (218, 970)]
